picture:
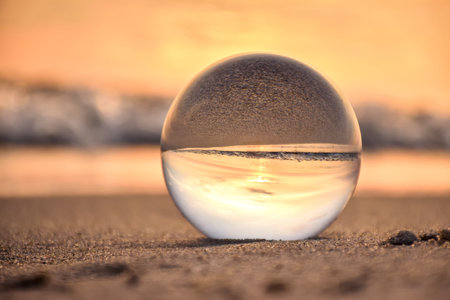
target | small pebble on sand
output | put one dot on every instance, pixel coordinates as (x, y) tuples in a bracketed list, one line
[(444, 235), (276, 286), (403, 237), (428, 236), (34, 281)]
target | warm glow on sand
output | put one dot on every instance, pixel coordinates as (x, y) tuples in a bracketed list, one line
[(399, 172), (393, 51), (68, 171)]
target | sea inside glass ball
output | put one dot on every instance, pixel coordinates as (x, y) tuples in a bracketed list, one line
[(260, 146)]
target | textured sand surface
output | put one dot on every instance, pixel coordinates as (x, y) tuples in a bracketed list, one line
[(141, 247)]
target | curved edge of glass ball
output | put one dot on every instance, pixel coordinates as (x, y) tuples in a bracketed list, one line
[(259, 98)]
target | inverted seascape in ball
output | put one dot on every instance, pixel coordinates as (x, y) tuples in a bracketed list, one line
[(260, 146)]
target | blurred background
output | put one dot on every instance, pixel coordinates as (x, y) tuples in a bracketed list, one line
[(85, 85)]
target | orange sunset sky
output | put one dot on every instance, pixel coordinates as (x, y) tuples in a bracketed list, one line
[(396, 52)]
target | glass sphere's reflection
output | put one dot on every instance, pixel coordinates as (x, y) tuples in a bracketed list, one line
[(260, 146)]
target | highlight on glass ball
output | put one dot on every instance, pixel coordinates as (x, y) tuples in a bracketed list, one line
[(260, 146)]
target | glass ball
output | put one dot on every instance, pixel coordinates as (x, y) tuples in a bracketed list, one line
[(260, 146)]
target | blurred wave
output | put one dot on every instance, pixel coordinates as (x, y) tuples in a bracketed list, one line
[(384, 127), (46, 114)]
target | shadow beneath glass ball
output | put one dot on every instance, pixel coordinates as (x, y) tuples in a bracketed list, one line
[(209, 242)]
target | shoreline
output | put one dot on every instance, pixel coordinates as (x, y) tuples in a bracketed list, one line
[(57, 171)]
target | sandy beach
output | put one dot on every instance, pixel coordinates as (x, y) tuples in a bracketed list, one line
[(140, 247)]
